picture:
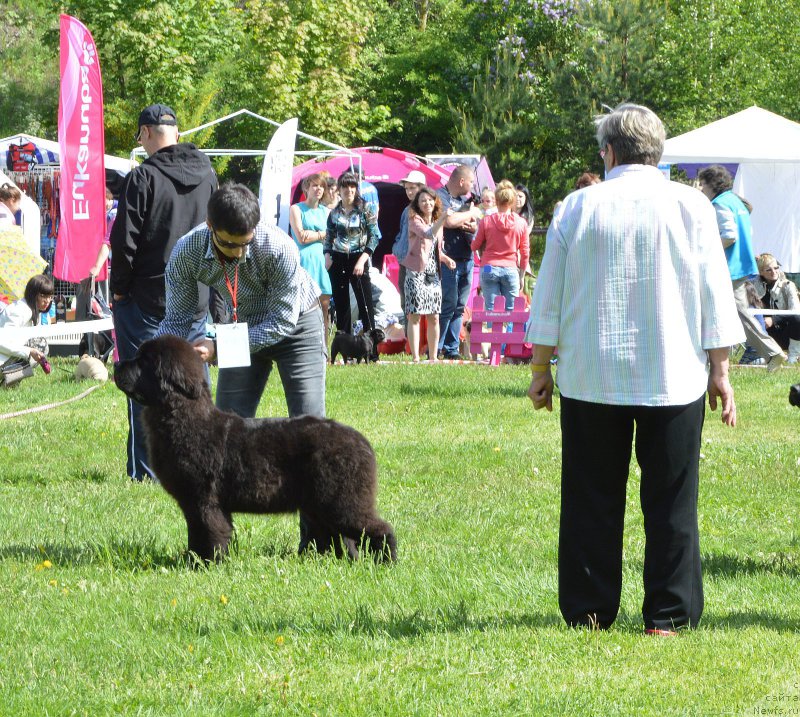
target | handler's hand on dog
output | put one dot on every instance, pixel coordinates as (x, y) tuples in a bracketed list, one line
[(541, 391), (205, 349)]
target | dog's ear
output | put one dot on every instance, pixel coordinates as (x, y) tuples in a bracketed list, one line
[(181, 370)]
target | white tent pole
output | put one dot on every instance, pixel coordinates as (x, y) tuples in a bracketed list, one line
[(227, 117), (264, 119)]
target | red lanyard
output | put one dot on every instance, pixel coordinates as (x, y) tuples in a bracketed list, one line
[(232, 290)]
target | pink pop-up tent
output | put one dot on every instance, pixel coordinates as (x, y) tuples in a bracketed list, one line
[(384, 167)]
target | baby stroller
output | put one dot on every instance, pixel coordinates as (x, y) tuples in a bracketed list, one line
[(90, 304)]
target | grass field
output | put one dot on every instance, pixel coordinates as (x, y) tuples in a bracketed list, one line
[(100, 614)]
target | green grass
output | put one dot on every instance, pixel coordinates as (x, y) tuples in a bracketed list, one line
[(466, 623)]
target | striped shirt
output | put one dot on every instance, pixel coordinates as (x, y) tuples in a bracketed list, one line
[(273, 289), (633, 289)]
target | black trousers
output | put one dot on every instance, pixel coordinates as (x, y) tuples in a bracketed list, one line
[(341, 273), (785, 328), (597, 441)]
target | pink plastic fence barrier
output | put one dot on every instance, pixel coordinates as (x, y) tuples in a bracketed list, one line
[(391, 270), (514, 340)]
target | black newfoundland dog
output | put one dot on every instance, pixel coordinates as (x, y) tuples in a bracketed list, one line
[(215, 463)]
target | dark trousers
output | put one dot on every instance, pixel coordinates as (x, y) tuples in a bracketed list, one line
[(301, 358), (785, 328), (132, 327), (596, 449), (341, 273), (456, 285)]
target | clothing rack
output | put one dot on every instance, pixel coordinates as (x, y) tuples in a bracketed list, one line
[(42, 183)]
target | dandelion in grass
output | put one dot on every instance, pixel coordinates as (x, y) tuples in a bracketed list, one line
[(190, 648), (53, 583), (223, 599), (279, 640), (497, 449), (44, 565), (173, 602)]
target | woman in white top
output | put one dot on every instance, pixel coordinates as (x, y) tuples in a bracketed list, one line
[(10, 199), (25, 312)]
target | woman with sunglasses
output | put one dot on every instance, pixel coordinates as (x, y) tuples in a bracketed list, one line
[(774, 291), (351, 238)]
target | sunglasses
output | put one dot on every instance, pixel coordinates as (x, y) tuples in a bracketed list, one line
[(230, 244)]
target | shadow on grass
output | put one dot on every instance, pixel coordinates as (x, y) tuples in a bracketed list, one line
[(91, 475), (118, 554), (363, 621), (132, 555), (734, 620), (729, 566), (460, 390)]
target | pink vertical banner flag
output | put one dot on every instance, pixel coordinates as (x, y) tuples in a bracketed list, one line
[(82, 146)]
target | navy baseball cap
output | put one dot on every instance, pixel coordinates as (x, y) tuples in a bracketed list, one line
[(157, 114)]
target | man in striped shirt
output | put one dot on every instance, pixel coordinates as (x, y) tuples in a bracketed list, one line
[(256, 269), (635, 293)]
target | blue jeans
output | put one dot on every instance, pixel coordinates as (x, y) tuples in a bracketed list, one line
[(497, 280), (132, 327), (301, 360), (456, 284)]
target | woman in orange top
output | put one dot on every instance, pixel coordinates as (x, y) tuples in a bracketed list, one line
[(502, 242)]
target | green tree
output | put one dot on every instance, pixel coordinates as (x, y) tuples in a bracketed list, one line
[(29, 80), (156, 52), (305, 58)]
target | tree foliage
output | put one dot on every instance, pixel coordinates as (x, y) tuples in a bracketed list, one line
[(516, 80)]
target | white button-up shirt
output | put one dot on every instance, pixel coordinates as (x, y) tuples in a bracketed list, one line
[(633, 289)]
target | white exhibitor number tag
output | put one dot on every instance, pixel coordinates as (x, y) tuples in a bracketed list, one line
[(233, 345)]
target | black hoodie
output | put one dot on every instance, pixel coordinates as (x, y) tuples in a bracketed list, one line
[(162, 199)]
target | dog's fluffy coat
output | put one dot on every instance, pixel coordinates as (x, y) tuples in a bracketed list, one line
[(215, 463)]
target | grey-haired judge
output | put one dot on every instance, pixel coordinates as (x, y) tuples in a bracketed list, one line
[(635, 293)]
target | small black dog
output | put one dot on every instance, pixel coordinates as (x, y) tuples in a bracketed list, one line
[(364, 346), (794, 395)]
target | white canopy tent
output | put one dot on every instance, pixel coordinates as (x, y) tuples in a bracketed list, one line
[(766, 147)]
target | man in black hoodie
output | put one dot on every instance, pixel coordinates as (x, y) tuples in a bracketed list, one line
[(162, 199)]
